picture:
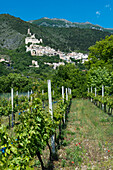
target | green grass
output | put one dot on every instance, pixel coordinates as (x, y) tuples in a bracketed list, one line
[(92, 128), (88, 140)]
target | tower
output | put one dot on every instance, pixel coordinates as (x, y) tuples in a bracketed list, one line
[(28, 31)]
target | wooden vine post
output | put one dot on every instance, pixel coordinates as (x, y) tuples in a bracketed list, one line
[(51, 111), (63, 100), (12, 107), (66, 95), (63, 93), (67, 99), (95, 95), (95, 91), (88, 92), (102, 96), (17, 93), (28, 95), (43, 99), (91, 92), (42, 92), (31, 95), (70, 91)]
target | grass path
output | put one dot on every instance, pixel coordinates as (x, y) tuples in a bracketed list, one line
[(88, 139)]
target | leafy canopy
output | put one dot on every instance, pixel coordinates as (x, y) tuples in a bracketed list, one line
[(101, 54)]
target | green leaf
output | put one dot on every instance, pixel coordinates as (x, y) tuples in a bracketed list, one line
[(28, 168), (14, 149), (8, 151)]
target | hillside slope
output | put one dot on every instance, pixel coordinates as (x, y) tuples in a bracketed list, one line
[(55, 22), (13, 31)]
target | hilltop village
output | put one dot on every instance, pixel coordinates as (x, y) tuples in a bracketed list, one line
[(35, 47)]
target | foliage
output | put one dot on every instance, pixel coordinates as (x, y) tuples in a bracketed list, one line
[(71, 77), (19, 82), (20, 62), (65, 39), (96, 77), (106, 100), (64, 23), (10, 155), (100, 65), (32, 134), (101, 54)]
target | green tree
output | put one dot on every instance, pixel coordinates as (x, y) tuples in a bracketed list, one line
[(101, 54), (96, 77), (17, 81), (71, 77)]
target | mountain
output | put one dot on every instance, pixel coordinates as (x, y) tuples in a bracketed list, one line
[(12, 44), (14, 30), (60, 23)]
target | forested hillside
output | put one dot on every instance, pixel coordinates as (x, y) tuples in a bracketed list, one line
[(13, 31), (19, 62), (12, 48), (56, 22)]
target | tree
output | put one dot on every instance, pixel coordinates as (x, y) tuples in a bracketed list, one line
[(71, 77), (96, 77), (101, 54), (17, 81)]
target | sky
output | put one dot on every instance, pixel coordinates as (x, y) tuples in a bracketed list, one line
[(98, 12)]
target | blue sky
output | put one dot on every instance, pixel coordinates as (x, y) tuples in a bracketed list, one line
[(95, 11)]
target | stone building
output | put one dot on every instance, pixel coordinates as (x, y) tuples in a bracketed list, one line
[(32, 39)]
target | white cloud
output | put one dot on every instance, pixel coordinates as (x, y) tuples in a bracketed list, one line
[(98, 13), (107, 6)]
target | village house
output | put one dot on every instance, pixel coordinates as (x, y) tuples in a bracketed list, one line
[(78, 56), (34, 46), (55, 65), (34, 64), (3, 60), (32, 39)]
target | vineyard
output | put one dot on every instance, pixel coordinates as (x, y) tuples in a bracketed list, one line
[(30, 134), (44, 131), (101, 101)]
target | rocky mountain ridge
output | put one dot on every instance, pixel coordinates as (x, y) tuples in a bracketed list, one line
[(56, 22), (14, 30)]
